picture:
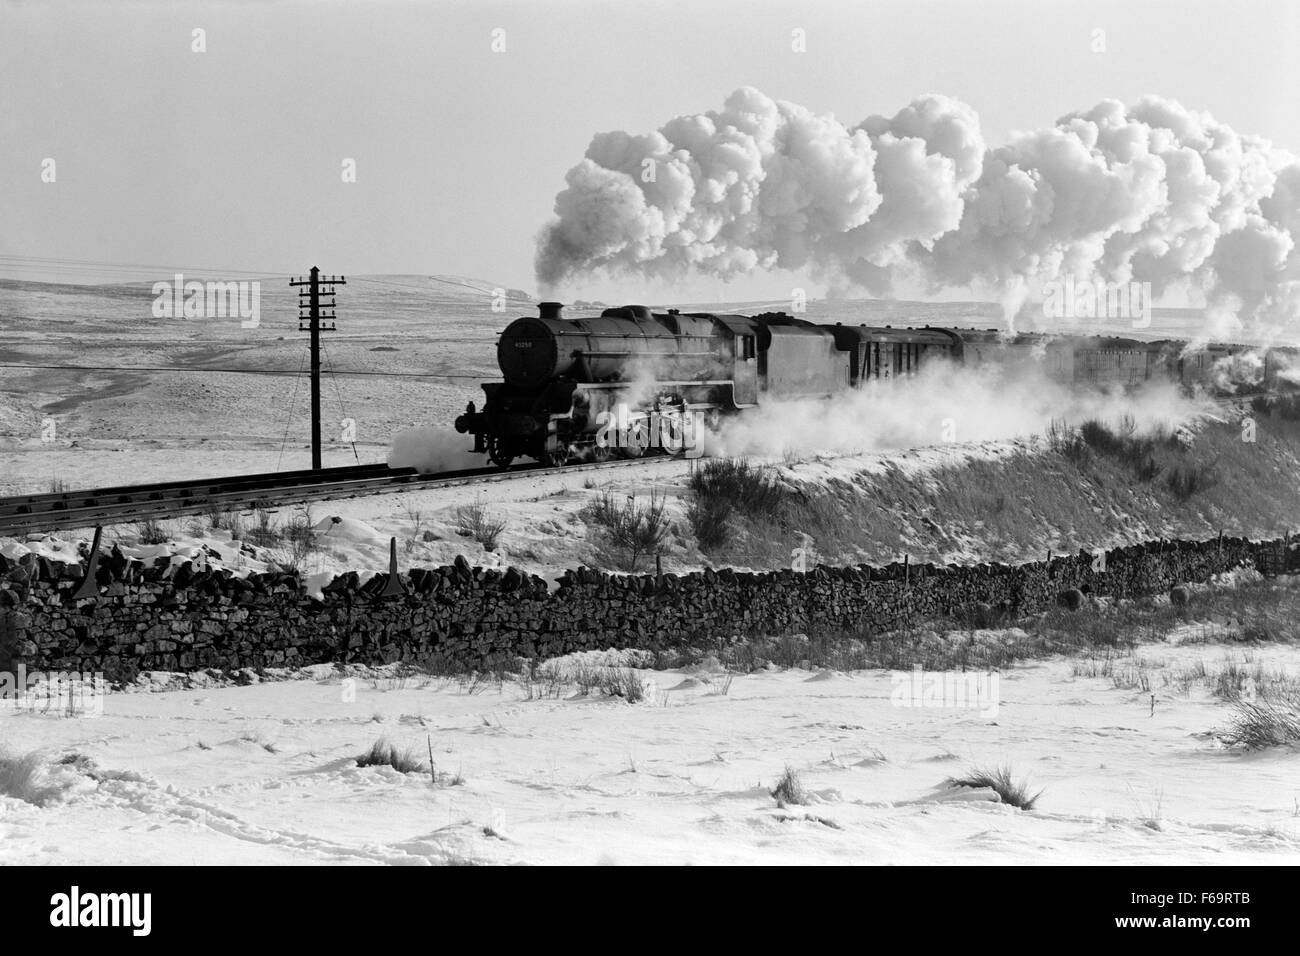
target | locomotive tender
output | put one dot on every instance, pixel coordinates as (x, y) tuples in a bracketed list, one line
[(566, 380)]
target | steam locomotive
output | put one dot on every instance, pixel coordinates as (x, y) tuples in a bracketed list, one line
[(566, 380)]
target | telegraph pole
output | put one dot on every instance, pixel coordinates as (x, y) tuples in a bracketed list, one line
[(310, 293)]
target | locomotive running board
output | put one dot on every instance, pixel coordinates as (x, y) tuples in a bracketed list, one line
[(593, 386)]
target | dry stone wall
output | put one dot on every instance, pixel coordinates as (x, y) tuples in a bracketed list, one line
[(171, 617)]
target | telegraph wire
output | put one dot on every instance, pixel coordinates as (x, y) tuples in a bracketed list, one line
[(293, 403), (234, 371)]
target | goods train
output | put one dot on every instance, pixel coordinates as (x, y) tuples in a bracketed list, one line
[(566, 380)]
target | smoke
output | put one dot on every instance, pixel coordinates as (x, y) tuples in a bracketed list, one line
[(1151, 192), (946, 403), (430, 450), (1240, 369), (642, 376), (1287, 368)]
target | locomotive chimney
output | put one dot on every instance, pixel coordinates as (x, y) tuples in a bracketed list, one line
[(549, 310)]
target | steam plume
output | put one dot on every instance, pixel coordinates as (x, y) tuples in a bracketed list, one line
[(1152, 192), (948, 403)]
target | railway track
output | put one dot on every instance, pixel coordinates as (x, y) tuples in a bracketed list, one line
[(54, 511), (24, 514)]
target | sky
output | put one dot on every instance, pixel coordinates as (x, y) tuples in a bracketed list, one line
[(231, 160)]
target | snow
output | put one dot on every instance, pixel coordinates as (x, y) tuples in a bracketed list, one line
[(49, 547), (335, 529), (266, 773), (545, 531), (190, 768)]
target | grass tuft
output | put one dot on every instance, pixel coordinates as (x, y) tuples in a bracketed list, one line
[(789, 789), (1001, 782), (476, 521), (634, 530), (299, 540), (1188, 479), (1259, 724), (750, 489), (261, 741), (1067, 442), (151, 531), (384, 754), (1124, 445), (710, 519), (612, 682), (264, 532)]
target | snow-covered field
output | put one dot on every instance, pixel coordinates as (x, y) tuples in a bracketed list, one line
[(267, 773)]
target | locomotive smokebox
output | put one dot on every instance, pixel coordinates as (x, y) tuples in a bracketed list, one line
[(527, 350)]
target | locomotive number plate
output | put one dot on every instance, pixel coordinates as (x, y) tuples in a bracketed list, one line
[(523, 345)]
